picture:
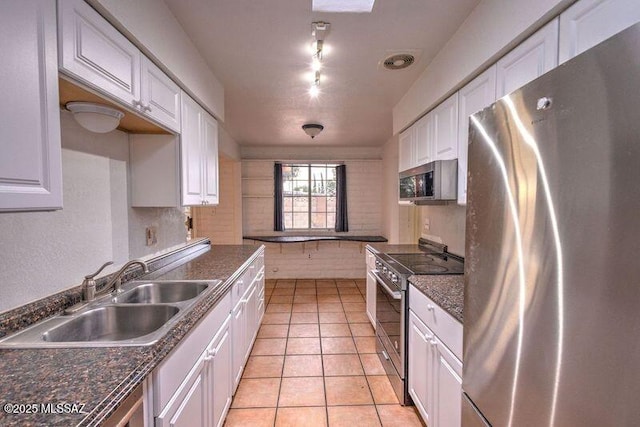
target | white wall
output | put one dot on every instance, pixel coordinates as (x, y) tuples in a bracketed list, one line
[(153, 28), (42, 253), (311, 152), (365, 176), (399, 221), (490, 30)]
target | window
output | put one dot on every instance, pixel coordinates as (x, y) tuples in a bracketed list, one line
[(309, 196)]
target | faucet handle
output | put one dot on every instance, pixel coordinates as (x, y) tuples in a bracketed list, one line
[(91, 276)]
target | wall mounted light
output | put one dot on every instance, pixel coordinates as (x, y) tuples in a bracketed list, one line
[(312, 129), (95, 118)]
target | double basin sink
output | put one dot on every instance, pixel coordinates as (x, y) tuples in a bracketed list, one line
[(140, 315)]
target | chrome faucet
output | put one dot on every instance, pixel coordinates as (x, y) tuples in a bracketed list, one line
[(116, 282), (89, 285)]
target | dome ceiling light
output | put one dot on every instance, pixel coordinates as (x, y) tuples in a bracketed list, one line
[(312, 129), (95, 118)]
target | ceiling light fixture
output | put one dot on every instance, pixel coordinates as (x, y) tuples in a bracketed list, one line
[(312, 129), (319, 31), (95, 118)]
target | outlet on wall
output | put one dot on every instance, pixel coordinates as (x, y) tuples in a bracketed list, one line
[(426, 226), (152, 235)]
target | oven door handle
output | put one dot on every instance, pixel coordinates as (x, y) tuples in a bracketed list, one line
[(395, 295)]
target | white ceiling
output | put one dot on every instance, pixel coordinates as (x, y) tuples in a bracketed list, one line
[(259, 51)]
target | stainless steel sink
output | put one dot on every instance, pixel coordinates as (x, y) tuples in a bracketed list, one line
[(142, 314), (161, 292), (112, 323)]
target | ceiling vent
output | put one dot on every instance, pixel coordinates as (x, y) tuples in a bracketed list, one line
[(398, 61)]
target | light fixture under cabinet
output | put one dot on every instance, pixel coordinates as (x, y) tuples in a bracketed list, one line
[(95, 118)]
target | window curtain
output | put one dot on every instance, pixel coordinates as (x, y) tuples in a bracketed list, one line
[(342, 221), (278, 199)]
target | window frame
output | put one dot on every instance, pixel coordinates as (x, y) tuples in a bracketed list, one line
[(310, 211)]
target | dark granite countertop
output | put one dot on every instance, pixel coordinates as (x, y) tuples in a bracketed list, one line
[(102, 378), (445, 290), (302, 238)]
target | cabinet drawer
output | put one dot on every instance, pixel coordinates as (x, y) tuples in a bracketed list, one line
[(174, 369), (445, 326), (240, 287)]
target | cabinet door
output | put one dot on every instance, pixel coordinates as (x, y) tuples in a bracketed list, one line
[(160, 96), (189, 406), (94, 52), (421, 367), (406, 147), (30, 163), (448, 387), (424, 140), (251, 313), (529, 60), (371, 298), (238, 342), (191, 152), (445, 124), (210, 158), (589, 22), (220, 376), (476, 95)]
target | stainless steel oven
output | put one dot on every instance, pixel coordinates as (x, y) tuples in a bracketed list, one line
[(392, 304), (391, 315)]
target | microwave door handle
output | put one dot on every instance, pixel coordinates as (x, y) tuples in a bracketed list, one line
[(392, 294)]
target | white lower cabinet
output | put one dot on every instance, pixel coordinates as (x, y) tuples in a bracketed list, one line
[(420, 366), (204, 396), (435, 373), (246, 317), (195, 384), (371, 288)]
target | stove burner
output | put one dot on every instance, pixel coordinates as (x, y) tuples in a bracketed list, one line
[(428, 269)]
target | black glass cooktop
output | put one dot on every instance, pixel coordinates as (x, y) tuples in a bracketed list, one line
[(430, 263)]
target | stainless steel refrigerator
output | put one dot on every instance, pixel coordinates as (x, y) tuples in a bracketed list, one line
[(552, 291)]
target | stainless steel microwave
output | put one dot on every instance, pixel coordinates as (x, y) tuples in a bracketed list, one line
[(432, 182)]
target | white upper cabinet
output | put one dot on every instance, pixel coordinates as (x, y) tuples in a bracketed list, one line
[(96, 54), (406, 149), (589, 22), (210, 141), (476, 95), (529, 60), (30, 163), (424, 132), (445, 129), (160, 96), (199, 155)]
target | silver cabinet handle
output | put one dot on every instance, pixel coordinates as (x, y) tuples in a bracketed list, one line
[(146, 107)]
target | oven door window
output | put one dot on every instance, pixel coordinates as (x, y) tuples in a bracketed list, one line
[(424, 184), (408, 187), (389, 316)]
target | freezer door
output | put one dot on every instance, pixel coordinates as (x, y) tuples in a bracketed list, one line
[(471, 417), (552, 273)]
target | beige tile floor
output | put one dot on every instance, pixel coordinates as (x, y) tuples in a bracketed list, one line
[(314, 362)]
